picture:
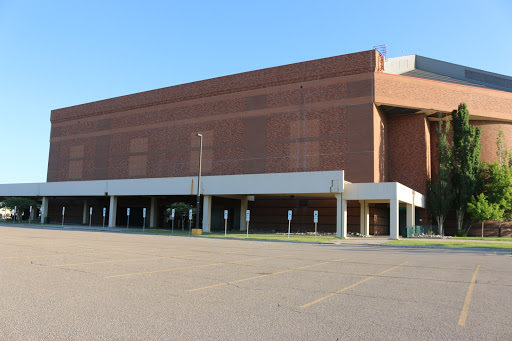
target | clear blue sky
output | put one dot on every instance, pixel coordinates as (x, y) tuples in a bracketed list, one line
[(55, 54)]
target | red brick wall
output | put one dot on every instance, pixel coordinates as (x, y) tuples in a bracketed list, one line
[(270, 214), (310, 116), (489, 137), (409, 150)]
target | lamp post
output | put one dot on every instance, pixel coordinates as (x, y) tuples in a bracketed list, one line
[(198, 207)]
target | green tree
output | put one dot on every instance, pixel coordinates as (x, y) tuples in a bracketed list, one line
[(466, 157), (497, 187), (481, 209), (22, 204), (440, 196), (501, 150), (181, 210)]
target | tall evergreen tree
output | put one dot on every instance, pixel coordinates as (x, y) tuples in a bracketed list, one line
[(501, 148), (440, 194), (466, 157)]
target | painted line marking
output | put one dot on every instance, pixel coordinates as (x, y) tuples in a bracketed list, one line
[(261, 276), (185, 268), (349, 287), (467, 301), (118, 261), (58, 254)]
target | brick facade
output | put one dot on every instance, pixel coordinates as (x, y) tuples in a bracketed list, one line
[(318, 115)]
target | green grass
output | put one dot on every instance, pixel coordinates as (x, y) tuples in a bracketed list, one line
[(495, 239), (450, 244), (256, 236)]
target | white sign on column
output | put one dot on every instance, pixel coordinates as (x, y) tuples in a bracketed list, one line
[(144, 216), (225, 223), (247, 219), (289, 222), (173, 211), (315, 220)]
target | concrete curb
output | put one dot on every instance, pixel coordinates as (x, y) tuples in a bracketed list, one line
[(447, 247)]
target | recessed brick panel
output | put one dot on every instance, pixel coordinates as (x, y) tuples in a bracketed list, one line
[(408, 150)]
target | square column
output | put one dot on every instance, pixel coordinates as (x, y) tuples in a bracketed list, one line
[(393, 219), (243, 208), (341, 217), (365, 218), (85, 213), (152, 213), (410, 220), (44, 211), (207, 213), (112, 212)]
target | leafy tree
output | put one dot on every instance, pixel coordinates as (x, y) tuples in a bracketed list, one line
[(21, 204), (497, 186), (466, 157), (181, 211), (501, 150), (440, 196), (481, 209)]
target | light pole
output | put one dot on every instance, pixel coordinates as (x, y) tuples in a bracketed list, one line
[(198, 207)]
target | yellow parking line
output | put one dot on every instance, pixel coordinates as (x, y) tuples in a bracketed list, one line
[(120, 260), (261, 276), (57, 254), (104, 262), (349, 287), (165, 270), (467, 301), (188, 267)]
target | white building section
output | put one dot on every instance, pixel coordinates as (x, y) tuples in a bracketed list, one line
[(244, 187)]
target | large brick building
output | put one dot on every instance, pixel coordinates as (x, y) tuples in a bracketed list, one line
[(358, 127)]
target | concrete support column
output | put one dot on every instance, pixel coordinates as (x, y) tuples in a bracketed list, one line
[(243, 208), (112, 212), (341, 217), (410, 220), (44, 210), (365, 218), (207, 213), (153, 213), (393, 219), (85, 215), (33, 213)]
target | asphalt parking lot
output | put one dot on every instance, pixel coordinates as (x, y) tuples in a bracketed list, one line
[(89, 285)]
